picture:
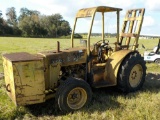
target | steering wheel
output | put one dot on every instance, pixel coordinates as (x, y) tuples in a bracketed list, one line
[(100, 49), (102, 40)]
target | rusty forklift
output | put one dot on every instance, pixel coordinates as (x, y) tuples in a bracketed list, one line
[(69, 75)]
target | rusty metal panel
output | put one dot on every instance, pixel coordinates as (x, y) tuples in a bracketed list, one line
[(25, 81), (98, 75), (21, 56), (66, 57)]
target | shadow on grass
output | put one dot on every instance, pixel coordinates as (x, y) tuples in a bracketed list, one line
[(152, 83), (103, 99), (46, 108)]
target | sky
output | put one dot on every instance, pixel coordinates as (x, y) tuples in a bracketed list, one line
[(69, 8)]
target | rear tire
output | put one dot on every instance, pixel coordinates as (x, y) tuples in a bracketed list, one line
[(72, 95), (132, 73), (157, 61)]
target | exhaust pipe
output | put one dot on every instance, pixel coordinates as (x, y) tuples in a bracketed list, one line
[(58, 46)]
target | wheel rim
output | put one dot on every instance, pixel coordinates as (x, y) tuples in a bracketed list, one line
[(76, 98), (136, 75)]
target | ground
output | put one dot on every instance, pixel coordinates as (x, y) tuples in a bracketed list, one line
[(107, 103)]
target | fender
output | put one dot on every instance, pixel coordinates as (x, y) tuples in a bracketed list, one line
[(113, 64)]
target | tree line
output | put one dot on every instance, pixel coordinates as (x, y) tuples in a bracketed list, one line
[(31, 23)]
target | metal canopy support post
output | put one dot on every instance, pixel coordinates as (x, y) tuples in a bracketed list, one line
[(88, 45), (118, 13), (103, 26), (89, 35), (72, 36)]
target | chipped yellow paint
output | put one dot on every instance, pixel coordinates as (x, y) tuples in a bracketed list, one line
[(25, 81), (89, 12), (54, 70), (9, 79)]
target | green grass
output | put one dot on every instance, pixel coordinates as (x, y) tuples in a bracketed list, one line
[(107, 103)]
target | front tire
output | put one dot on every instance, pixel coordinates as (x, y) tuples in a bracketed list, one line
[(132, 73), (73, 94)]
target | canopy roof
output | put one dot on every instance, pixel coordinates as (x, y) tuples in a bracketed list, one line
[(89, 12)]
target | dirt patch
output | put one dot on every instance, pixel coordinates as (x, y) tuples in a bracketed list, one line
[(152, 82), (153, 76)]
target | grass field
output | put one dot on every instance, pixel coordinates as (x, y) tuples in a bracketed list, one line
[(107, 103)]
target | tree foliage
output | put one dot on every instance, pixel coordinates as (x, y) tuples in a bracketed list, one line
[(11, 16), (5, 29), (26, 12), (55, 25), (32, 23), (0, 13), (30, 26)]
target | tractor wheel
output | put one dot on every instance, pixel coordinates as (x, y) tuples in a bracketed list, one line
[(73, 94), (132, 73), (157, 61)]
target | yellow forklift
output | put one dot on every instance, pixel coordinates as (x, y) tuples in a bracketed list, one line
[(68, 75)]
